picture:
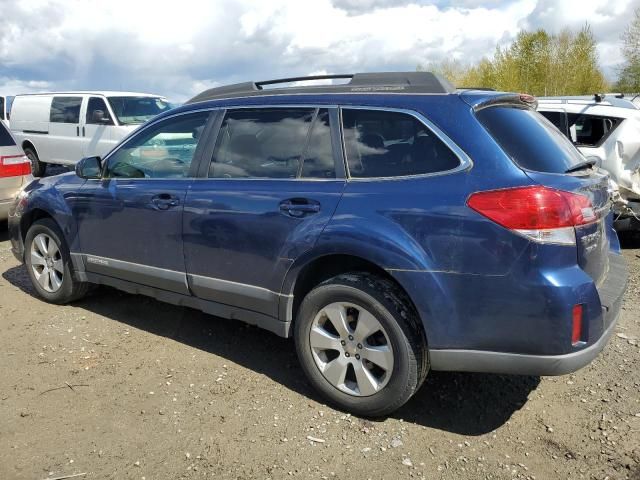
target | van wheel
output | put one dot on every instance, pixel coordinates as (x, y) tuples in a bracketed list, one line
[(49, 264), (360, 343), (37, 167)]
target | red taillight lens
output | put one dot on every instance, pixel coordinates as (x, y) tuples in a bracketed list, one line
[(576, 331), (533, 208), (14, 166)]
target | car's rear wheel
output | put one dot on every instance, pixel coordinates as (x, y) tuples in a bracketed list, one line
[(49, 264), (38, 168), (360, 343)]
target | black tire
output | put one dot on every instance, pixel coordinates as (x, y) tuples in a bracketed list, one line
[(394, 312), (70, 289), (38, 168)]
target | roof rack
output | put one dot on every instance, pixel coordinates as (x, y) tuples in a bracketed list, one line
[(387, 82)]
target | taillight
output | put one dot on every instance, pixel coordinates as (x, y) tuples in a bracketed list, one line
[(540, 213), (14, 166)]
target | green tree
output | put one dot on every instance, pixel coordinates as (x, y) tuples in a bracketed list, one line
[(629, 80), (537, 63)]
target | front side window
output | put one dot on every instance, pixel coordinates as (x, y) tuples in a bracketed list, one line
[(97, 112), (165, 150), (265, 143), (65, 110), (383, 143), (137, 110)]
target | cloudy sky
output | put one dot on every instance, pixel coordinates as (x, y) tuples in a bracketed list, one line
[(179, 47)]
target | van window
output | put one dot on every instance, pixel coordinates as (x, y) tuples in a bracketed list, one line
[(261, 143), (97, 112), (382, 143), (65, 110), (137, 110), (2, 108), (164, 150), (529, 139)]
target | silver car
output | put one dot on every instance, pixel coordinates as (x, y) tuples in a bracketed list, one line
[(15, 170)]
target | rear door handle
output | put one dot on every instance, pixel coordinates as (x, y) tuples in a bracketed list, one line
[(165, 201), (299, 207)]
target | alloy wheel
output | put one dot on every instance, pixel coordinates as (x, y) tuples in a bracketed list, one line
[(46, 263), (351, 349)]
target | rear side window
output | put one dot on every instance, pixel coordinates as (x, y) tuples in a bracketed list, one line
[(382, 143), (65, 110), (531, 141), (264, 143), (591, 130), (5, 137), (318, 158)]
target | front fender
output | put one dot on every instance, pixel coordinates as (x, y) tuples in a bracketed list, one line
[(53, 197)]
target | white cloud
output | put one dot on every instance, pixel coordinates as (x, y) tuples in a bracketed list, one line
[(178, 48)]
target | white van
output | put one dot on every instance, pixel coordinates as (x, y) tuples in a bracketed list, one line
[(61, 128), (5, 108)]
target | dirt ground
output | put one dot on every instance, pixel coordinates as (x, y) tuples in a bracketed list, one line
[(121, 386)]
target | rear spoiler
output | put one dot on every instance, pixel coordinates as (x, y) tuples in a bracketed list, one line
[(480, 101)]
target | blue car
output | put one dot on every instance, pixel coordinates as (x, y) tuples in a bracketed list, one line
[(391, 225)]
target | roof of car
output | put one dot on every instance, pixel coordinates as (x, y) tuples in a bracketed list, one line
[(612, 100), (359, 83), (106, 93)]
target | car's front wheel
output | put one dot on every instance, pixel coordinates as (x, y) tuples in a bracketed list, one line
[(360, 343), (49, 264)]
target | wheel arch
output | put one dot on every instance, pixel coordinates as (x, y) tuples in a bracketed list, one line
[(312, 270), (29, 144)]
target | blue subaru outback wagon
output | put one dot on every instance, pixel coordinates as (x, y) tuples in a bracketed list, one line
[(391, 225)]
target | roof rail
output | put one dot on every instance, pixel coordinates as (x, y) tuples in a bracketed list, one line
[(387, 82)]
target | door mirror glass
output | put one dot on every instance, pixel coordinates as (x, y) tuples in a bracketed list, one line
[(89, 167), (98, 117)]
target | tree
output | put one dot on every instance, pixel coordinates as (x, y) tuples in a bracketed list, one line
[(629, 80), (537, 62)]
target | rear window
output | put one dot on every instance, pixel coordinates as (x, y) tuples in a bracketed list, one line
[(5, 138), (531, 141)]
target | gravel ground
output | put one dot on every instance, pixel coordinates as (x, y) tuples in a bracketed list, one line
[(121, 386)]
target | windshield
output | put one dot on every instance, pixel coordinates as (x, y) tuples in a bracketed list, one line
[(529, 139), (137, 110)]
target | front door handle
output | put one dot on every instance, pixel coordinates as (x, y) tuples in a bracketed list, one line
[(299, 207), (165, 201)]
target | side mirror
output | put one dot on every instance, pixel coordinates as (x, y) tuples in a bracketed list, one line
[(98, 117), (89, 167)]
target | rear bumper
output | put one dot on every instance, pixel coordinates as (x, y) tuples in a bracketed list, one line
[(611, 298)]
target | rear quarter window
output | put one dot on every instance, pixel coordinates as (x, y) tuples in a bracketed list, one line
[(5, 138), (531, 140)]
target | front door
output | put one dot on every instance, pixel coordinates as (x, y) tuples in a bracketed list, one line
[(97, 129), (271, 187), (130, 221)]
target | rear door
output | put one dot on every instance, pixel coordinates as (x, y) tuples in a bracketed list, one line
[(546, 155), (273, 181), (65, 144)]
